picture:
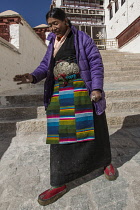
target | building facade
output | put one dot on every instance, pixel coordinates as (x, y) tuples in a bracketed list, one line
[(113, 24), (86, 15), (122, 20)]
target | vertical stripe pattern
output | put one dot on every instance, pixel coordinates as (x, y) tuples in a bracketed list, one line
[(70, 114)]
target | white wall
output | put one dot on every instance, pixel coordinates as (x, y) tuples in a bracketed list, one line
[(132, 46), (58, 3), (19, 61), (9, 60), (126, 14), (14, 35), (32, 48)]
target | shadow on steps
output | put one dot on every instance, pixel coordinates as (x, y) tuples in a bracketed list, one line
[(5, 141), (125, 144), (8, 127)]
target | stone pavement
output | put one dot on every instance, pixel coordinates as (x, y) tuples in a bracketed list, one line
[(24, 172)]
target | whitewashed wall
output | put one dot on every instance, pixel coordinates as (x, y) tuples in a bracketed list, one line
[(126, 14), (132, 46), (14, 35), (58, 3), (27, 55), (32, 48)]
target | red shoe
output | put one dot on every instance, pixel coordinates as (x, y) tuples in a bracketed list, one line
[(110, 173), (51, 195)]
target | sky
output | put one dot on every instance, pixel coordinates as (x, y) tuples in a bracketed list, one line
[(33, 11)]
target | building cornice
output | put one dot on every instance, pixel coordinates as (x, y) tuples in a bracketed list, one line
[(129, 33)]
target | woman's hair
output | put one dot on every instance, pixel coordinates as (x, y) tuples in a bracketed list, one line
[(57, 13)]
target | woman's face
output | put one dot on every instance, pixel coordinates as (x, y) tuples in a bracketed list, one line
[(56, 26)]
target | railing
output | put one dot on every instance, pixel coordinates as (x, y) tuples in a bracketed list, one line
[(84, 11), (129, 33), (87, 23), (81, 7), (106, 43), (82, 4)]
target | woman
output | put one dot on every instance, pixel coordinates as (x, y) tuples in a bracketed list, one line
[(75, 104)]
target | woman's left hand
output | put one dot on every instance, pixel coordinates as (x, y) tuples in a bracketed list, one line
[(95, 95)]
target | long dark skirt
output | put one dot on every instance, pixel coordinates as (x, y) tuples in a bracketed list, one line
[(71, 161)]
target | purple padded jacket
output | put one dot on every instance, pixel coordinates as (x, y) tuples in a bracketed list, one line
[(90, 65)]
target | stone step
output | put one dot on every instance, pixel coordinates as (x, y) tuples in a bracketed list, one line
[(118, 53), (30, 126), (118, 57), (110, 57), (5, 141), (120, 68), (115, 89), (128, 104), (113, 104), (25, 126), (122, 62), (122, 79), (122, 89), (22, 113), (24, 90), (122, 93), (18, 113), (25, 168), (116, 119), (27, 100), (7, 126), (121, 73), (124, 119)]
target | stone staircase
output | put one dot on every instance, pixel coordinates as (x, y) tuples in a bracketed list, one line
[(122, 87), (22, 111)]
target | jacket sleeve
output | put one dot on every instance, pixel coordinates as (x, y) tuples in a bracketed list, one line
[(95, 64), (41, 71)]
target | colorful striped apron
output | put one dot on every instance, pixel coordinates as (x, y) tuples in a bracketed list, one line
[(70, 114)]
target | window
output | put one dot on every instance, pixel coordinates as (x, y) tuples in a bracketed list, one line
[(101, 2), (122, 2), (116, 6)]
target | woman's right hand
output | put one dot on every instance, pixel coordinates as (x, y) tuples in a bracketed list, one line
[(23, 79)]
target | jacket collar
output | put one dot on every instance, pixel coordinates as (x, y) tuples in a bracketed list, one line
[(51, 36), (74, 29)]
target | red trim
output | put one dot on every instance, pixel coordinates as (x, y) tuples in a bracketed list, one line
[(109, 6), (129, 33), (41, 32), (4, 32), (10, 20), (4, 26)]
